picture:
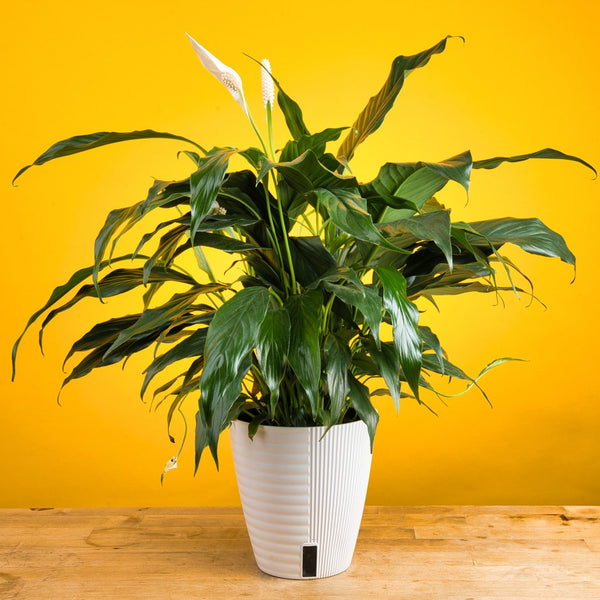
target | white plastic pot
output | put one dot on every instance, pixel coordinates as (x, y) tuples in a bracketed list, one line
[(303, 495)]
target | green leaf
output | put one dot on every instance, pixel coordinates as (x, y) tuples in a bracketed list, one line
[(161, 316), (492, 163), (372, 116), (434, 226), (337, 360), (311, 259), (119, 282), (305, 356), (59, 292), (123, 219), (306, 173), (405, 321), (192, 346), (386, 359), (229, 342), (431, 341), (316, 142), (205, 184), (292, 113), (359, 397), (349, 212), (529, 234), (272, 347), (101, 334), (366, 299), (417, 182), (81, 143), (254, 156)]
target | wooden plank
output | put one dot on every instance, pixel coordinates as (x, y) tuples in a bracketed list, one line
[(450, 553)]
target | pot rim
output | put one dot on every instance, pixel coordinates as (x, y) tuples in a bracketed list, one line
[(246, 423)]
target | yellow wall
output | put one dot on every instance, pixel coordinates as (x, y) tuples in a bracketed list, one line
[(527, 78)]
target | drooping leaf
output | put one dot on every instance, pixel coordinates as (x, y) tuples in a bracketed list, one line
[(386, 359), (192, 346), (405, 320), (337, 361), (492, 163), (359, 397), (372, 116), (230, 339), (431, 341), (165, 252), (81, 143), (160, 316), (529, 234), (272, 347), (101, 334), (118, 282), (365, 298), (58, 293), (121, 220), (305, 357), (223, 242)]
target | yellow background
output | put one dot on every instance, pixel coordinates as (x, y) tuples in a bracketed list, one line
[(527, 78)]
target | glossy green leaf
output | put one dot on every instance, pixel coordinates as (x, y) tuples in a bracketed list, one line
[(372, 116), (405, 320), (316, 142), (121, 220), (57, 294), (434, 226), (529, 234), (349, 212), (272, 347), (305, 174), (118, 282), (305, 356), (492, 163), (229, 342), (101, 334), (311, 259), (222, 242), (432, 342), (81, 143), (385, 358), (365, 298), (159, 317), (292, 113), (205, 184), (359, 397), (192, 346), (416, 183), (337, 361)]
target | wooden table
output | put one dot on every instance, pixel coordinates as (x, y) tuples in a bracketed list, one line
[(445, 552)]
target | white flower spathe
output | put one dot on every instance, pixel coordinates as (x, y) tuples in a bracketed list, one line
[(226, 75), (268, 87)]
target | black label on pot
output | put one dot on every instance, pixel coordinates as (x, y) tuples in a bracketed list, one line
[(309, 561)]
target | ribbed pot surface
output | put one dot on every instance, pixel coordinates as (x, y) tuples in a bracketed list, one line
[(302, 496)]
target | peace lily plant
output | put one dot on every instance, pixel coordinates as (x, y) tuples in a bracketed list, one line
[(326, 260)]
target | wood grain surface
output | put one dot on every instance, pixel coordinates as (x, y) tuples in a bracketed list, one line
[(433, 552)]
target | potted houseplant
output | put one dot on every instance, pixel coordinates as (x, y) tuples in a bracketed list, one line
[(284, 352)]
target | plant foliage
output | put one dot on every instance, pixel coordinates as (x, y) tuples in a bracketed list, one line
[(326, 261)]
